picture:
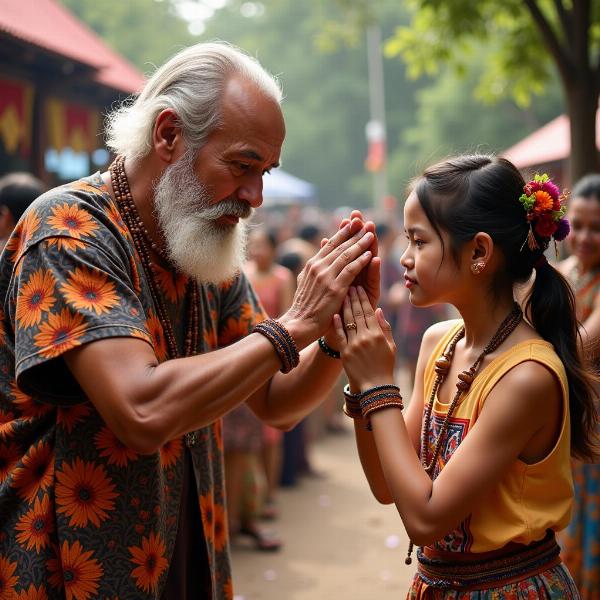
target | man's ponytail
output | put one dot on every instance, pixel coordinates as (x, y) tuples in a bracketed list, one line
[(551, 309)]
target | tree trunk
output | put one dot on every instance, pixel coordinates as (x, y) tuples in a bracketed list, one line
[(582, 104)]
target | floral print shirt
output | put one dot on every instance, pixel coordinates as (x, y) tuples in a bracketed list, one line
[(82, 515)]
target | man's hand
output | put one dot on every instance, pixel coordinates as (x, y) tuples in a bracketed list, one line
[(325, 280), (370, 276)]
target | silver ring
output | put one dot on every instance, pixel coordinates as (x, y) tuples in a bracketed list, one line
[(350, 326)]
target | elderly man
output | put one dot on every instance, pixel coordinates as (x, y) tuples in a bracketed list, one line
[(128, 331)]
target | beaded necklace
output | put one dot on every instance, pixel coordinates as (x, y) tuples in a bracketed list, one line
[(142, 240), (465, 379)]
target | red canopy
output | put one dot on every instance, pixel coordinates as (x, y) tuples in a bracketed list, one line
[(550, 143), (50, 26)]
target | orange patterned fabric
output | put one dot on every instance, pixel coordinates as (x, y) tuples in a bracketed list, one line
[(83, 516)]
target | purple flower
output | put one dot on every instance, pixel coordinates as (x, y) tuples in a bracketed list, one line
[(552, 189), (562, 230)]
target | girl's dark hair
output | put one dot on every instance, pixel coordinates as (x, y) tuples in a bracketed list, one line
[(472, 193)]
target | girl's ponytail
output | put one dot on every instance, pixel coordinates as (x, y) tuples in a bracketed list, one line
[(551, 309)]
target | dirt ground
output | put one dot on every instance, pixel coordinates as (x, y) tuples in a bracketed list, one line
[(339, 543)]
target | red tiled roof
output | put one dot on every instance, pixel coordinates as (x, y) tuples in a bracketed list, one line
[(550, 143), (48, 25)]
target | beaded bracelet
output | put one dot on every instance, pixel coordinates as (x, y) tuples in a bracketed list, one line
[(352, 404), (378, 397), (328, 349), (282, 341)]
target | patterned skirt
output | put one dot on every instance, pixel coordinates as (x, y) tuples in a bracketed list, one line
[(515, 572), (580, 542)]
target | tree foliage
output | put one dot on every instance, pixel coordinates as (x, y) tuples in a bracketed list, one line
[(146, 32), (531, 41)]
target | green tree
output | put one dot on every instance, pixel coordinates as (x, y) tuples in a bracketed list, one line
[(531, 40), (325, 87), (146, 32)]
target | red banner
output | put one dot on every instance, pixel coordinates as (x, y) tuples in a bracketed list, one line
[(16, 110), (72, 126)]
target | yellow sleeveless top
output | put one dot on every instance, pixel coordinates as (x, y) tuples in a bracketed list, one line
[(529, 499)]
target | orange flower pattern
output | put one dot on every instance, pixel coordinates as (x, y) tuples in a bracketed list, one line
[(151, 561), (84, 493), (76, 496), (61, 332), (76, 572), (90, 290), (36, 298), (36, 525), (69, 218)]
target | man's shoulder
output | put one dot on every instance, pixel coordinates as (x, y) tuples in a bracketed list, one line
[(82, 211)]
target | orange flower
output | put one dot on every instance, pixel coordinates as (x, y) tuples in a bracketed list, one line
[(207, 512), (27, 405), (210, 337), (60, 333), (170, 452), (220, 527), (218, 433), (36, 473), (228, 588), (76, 570), (69, 415), (109, 445), (151, 560), (22, 234), (32, 593), (172, 284), (247, 312), (233, 330), (115, 217), (84, 186), (156, 333), (7, 424), (35, 297), (135, 276), (36, 525), (65, 243), (8, 579), (84, 493), (90, 289), (543, 202), (9, 457), (73, 220)]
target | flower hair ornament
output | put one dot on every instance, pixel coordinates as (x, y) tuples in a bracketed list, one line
[(545, 207)]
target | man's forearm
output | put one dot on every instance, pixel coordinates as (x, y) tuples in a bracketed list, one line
[(291, 397)]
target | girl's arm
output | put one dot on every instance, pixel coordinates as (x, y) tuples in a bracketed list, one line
[(521, 418), (413, 417)]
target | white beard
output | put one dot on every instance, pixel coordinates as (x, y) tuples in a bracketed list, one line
[(198, 246)]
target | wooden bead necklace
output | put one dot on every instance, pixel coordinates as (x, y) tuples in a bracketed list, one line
[(465, 379), (142, 240)]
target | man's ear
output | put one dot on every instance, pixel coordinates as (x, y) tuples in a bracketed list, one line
[(7, 223), (167, 138)]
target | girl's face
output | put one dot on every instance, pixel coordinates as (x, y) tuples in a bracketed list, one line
[(584, 239), (431, 274)]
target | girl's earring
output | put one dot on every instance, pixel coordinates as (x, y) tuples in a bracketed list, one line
[(478, 267)]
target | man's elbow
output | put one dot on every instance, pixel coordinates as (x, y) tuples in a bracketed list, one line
[(141, 434)]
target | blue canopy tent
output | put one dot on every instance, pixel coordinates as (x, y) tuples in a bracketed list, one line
[(282, 189)]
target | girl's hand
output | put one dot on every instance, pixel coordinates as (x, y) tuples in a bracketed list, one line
[(368, 351)]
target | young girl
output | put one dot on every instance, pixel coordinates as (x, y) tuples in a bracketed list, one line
[(478, 466), (579, 542)]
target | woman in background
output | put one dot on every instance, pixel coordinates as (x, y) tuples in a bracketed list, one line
[(581, 540)]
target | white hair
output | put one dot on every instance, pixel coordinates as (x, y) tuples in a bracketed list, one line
[(191, 83)]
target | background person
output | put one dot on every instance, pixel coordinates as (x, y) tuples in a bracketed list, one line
[(580, 541)]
